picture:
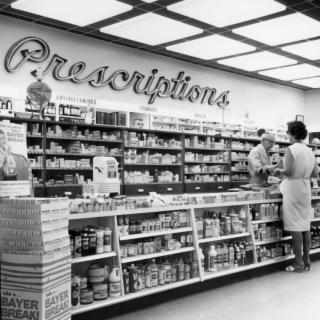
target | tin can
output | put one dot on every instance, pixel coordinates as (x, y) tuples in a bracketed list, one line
[(162, 275), (140, 248), (86, 296), (100, 291), (92, 241), (132, 250), (99, 247), (75, 290), (123, 251), (85, 242), (77, 243)]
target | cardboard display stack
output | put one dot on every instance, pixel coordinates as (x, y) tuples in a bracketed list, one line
[(35, 259)]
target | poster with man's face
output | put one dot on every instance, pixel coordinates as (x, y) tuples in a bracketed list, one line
[(139, 120), (14, 167)]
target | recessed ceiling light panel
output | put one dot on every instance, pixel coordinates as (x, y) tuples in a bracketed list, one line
[(211, 47), (311, 82), (77, 12), (258, 61), (221, 13), (151, 29), (149, 1), (309, 49), (285, 29), (293, 72)]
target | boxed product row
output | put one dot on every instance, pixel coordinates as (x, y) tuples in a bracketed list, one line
[(207, 178), (206, 142), (214, 224), (67, 163), (56, 131), (203, 168), (143, 177), (132, 157), (315, 235), (81, 148), (267, 232), (199, 157), (135, 139), (164, 221)]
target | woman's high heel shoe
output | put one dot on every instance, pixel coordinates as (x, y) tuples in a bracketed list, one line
[(307, 266)]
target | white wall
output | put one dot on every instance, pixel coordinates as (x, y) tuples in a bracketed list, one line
[(312, 110), (267, 103)]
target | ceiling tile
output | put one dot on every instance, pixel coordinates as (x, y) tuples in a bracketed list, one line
[(152, 29)]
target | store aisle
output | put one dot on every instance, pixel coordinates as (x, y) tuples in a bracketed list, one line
[(276, 296)]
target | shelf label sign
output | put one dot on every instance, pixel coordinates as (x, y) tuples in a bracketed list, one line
[(153, 85)]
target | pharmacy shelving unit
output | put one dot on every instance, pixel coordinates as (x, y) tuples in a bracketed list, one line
[(49, 181), (111, 219)]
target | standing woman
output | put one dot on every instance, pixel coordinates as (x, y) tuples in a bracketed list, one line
[(299, 166)]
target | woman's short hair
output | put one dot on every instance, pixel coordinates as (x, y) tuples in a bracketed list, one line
[(297, 129)]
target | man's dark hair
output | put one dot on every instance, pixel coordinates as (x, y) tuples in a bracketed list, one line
[(260, 132), (297, 129)]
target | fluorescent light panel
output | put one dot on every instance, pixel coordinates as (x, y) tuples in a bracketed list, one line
[(311, 82), (211, 47), (222, 13), (77, 12), (258, 61), (151, 29), (309, 49), (285, 29), (293, 72), (149, 1)]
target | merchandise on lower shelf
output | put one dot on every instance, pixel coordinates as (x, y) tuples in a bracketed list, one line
[(224, 256), (99, 282), (132, 156), (238, 145), (200, 157), (144, 177), (273, 251), (265, 211), (206, 142), (158, 273)]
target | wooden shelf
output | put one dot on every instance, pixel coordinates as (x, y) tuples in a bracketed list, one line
[(94, 257), (207, 162), (223, 238), (259, 243), (156, 255), (206, 149), (155, 233), (132, 296), (266, 220), (154, 148), (49, 137), (206, 173), (152, 164)]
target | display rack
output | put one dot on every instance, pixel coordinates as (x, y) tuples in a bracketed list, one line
[(197, 244), (53, 180)]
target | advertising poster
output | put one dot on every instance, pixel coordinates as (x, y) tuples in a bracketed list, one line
[(139, 120), (14, 166)]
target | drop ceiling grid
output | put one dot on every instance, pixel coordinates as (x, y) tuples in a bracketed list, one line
[(309, 8)]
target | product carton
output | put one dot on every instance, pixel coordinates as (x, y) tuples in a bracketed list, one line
[(52, 304)]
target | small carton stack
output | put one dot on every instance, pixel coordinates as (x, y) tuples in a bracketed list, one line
[(35, 259)]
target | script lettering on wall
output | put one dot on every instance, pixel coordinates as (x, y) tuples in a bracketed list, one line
[(36, 50)]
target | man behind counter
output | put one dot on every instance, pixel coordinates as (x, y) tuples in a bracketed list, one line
[(259, 165)]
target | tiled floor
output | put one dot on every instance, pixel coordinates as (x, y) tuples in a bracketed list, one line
[(276, 296)]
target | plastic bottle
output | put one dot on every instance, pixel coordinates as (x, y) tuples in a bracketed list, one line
[(202, 260), (231, 256), (154, 273), (219, 258), (225, 252), (115, 282), (212, 256)]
